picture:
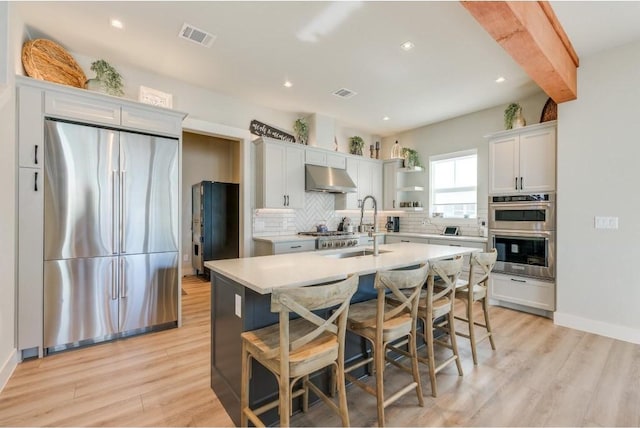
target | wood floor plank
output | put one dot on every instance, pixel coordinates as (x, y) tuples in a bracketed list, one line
[(540, 375)]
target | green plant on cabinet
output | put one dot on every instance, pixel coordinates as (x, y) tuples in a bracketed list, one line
[(356, 144), (107, 79)]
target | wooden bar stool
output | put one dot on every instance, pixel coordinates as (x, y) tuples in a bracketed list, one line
[(381, 323), (292, 350), (481, 265), (435, 304)]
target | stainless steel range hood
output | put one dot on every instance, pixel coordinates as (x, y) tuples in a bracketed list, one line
[(327, 179)]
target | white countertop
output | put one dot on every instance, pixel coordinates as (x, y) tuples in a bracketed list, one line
[(263, 274), (296, 238), (439, 236)]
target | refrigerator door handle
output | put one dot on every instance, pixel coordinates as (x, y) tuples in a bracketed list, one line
[(123, 211), (123, 285), (114, 214), (114, 288)]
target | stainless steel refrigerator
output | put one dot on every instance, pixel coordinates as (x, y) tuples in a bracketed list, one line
[(111, 204), (215, 227)]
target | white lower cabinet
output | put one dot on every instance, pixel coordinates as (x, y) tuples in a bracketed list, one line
[(30, 259), (523, 291), (266, 248), (390, 239), (366, 240)]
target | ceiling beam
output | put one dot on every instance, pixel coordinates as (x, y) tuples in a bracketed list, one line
[(531, 33)]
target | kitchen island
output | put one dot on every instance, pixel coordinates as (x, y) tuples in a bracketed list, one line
[(241, 301)]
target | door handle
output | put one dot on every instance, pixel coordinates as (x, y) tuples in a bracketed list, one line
[(287, 200), (123, 211), (114, 289), (393, 204), (123, 284), (516, 183), (295, 246), (402, 240), (35, 157), (35, 182), (114, 250), (518, 280), (284, 200), (521, 181)]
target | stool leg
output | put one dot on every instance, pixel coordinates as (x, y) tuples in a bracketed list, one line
[(414, 366), (485, 307), (379, 367), (454, 342), (472, 330), (342, 393), (428, 334), (244, 388), (305, 395)]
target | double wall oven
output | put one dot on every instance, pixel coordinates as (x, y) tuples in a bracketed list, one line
[(522, 228)]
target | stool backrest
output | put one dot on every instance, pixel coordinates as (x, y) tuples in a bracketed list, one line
[(482, 263), (396, 281), (448, 271), (303, 300)]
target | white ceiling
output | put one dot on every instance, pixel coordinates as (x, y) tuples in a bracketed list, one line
[(324, 46)]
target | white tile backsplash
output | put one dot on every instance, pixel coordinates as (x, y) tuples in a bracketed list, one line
[(320, 207)]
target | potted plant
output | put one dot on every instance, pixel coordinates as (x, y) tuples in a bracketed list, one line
[(107, 79), (355, 145), (411, 158), (513, 116), (301, 128)]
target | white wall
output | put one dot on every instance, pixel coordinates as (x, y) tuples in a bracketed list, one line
[(204, 158), (598, 175), (464, 133), (8, 206)]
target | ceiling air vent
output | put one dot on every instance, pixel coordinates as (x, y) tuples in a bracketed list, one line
[(195, 35), (344, 93)]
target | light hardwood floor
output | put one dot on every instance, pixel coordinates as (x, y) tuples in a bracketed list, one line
[(540, 375)]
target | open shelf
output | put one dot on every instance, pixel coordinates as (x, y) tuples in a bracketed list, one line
[(411, 189), (413, 169)]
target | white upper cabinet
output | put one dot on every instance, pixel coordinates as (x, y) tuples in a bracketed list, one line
[(324, 158), (30, 134), (523, 160), (367, 175), (279, 174)]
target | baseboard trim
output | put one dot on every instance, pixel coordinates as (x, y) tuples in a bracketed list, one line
[(600, 328), (8, 366)]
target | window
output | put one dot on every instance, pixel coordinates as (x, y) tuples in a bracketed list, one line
[(454, 184)]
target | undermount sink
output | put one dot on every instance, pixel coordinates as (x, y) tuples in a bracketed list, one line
[(359, 253)]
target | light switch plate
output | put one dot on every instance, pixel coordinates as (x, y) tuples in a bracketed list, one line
[(605, 222)]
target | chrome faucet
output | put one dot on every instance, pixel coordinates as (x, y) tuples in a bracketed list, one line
[(372, 232)]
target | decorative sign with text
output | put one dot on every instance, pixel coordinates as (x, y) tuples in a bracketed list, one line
[(263, 130)]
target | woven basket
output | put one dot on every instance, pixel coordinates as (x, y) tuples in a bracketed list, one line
[(549, 111), (46, 60)]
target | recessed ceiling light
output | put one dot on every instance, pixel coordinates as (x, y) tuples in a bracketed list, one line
[(385, 118), (500, 79), (407, 46), (287, 84), (116, 23)]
